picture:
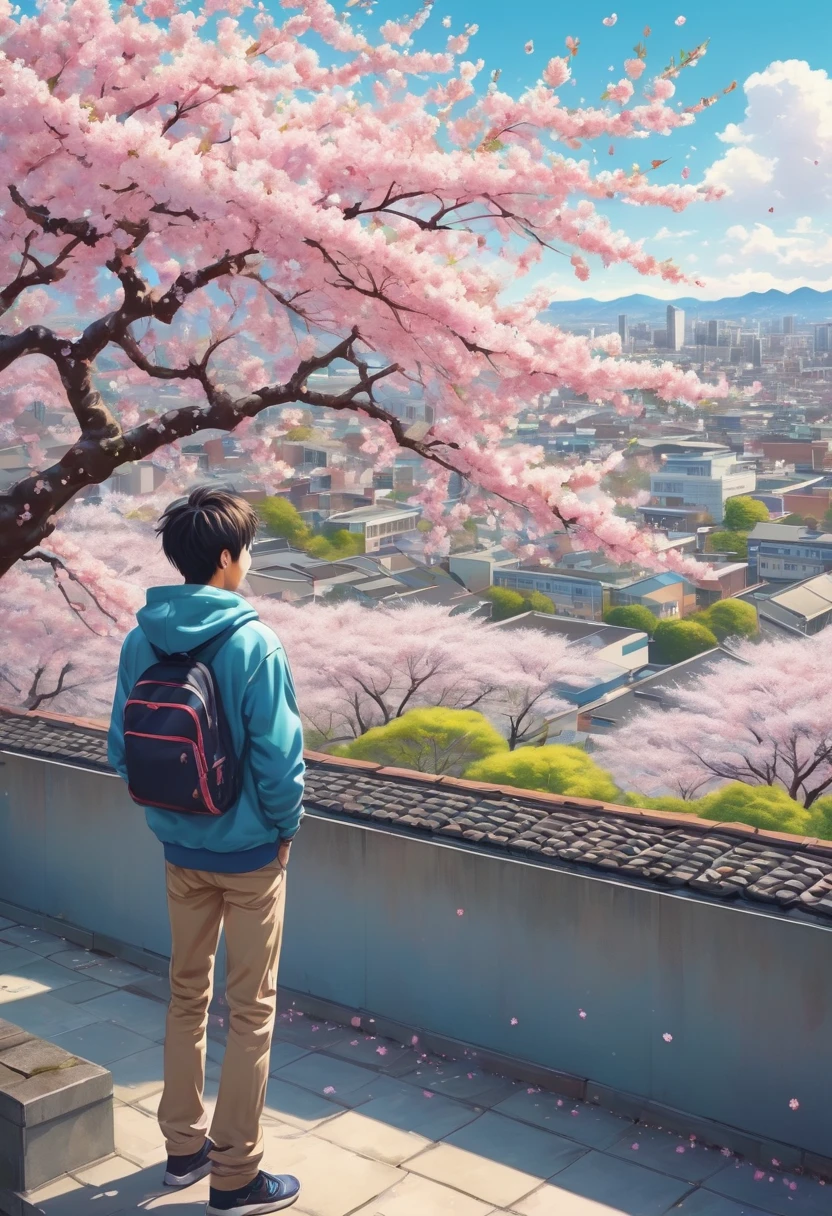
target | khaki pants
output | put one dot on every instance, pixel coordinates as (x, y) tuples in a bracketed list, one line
[(250, 906)]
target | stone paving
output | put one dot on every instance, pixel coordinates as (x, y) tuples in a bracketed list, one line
[(370, 1127)]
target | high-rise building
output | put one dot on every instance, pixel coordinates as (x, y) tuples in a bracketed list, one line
[(757, 352), (623, 328), (675, 327), (713, 333), (788, 325), (823, 338), (700, 333)]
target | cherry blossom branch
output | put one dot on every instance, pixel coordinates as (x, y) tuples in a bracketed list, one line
[(58, 564)]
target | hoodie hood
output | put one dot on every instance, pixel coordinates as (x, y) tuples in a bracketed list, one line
[(176, 619)]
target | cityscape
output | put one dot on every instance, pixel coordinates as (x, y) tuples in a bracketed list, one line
[(519, 530)]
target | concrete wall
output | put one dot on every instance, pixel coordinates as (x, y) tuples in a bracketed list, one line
[(372, 925)]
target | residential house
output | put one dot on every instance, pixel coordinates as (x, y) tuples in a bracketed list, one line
[(667, 595), (804, 608), (787, 553), (475, 568), (378, 523)]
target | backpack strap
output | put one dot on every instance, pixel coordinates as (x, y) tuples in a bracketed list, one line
[(208, 651)]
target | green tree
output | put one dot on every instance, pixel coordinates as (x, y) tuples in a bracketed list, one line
[(820, 819), (728, 542), (536, 601), (730, 619), (299, 432), (676, 641), (742, 513), (632, 616), (428, 740), (763, 806), (332, 545), (281, 518), (504, 602), (555, 768)]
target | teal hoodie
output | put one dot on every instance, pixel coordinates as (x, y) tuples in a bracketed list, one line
[(255, 684)]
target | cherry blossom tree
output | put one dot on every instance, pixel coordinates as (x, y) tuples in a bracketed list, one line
[(765, 719), (357, 668), (212, 207)]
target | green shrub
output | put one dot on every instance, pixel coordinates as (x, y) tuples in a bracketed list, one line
[(676, 641), (555, 768), (730, 618), (728, 542), (428, 740), (633, 616), (281, 518), (504, 602), (763, 806), (742, 513)]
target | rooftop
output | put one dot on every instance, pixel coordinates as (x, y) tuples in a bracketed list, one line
[(668, 851), (409, 1132), (568, 627)]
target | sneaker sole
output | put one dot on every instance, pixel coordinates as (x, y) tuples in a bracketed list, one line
[(254, 1209), (188, 1179)]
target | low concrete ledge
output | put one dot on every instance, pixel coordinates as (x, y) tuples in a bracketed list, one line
[(56, 1114)]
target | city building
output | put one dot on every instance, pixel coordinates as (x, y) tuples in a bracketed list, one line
[(713, 333), (788, 325), (705, 481), (475, 568), (787, 553), (667, 595), (623, 329), (803, 608), (576, 591), (675, 327), (823, 338), (378, 523)]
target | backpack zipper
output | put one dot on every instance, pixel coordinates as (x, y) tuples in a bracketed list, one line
[(174, 684)]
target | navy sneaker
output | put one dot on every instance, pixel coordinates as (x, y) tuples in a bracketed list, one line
[(182, 1171), (267, 1193)]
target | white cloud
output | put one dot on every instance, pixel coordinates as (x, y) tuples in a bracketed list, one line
[(782, 149), (665, 234)]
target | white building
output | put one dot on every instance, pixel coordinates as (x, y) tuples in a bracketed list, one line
[(704, 481), (378, 523), (675, 327)]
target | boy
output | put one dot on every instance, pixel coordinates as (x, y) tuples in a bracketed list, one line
[(228, 869)]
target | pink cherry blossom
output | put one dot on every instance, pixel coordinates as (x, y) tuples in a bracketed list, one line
[(382, 1051), (793, 1104), (634, 68), (329, 1089), (581, 1013), (680, 21), (355, 1021), (611, 20), (529, 47), (759, 1175), (634, 1147), (686, 173), (514, 1021), (426, 1093), (668, 1038), (460, 911), (680, 1148)]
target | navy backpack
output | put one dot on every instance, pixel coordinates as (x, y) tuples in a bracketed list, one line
[(177, 744)]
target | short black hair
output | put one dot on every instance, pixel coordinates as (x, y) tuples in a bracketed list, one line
[(195, 531)]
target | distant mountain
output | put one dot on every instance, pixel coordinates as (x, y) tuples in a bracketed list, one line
[(805, 304)]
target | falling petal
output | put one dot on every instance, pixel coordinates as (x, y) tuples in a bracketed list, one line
[(446, 21), (759, 1175), (353, 1042), (686, 173), (460, 911), (330, 1089), (611, 20), (634, 1147), (726, 1152), (775, 1163), (668, 1038), (426, 1093), (381, 1051), (581, 1013), (529, 47), (680, 1148), (355, 1022), (793, 1104), (514, 1021), (414, 1041), (680, 20), (792, 1186)]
